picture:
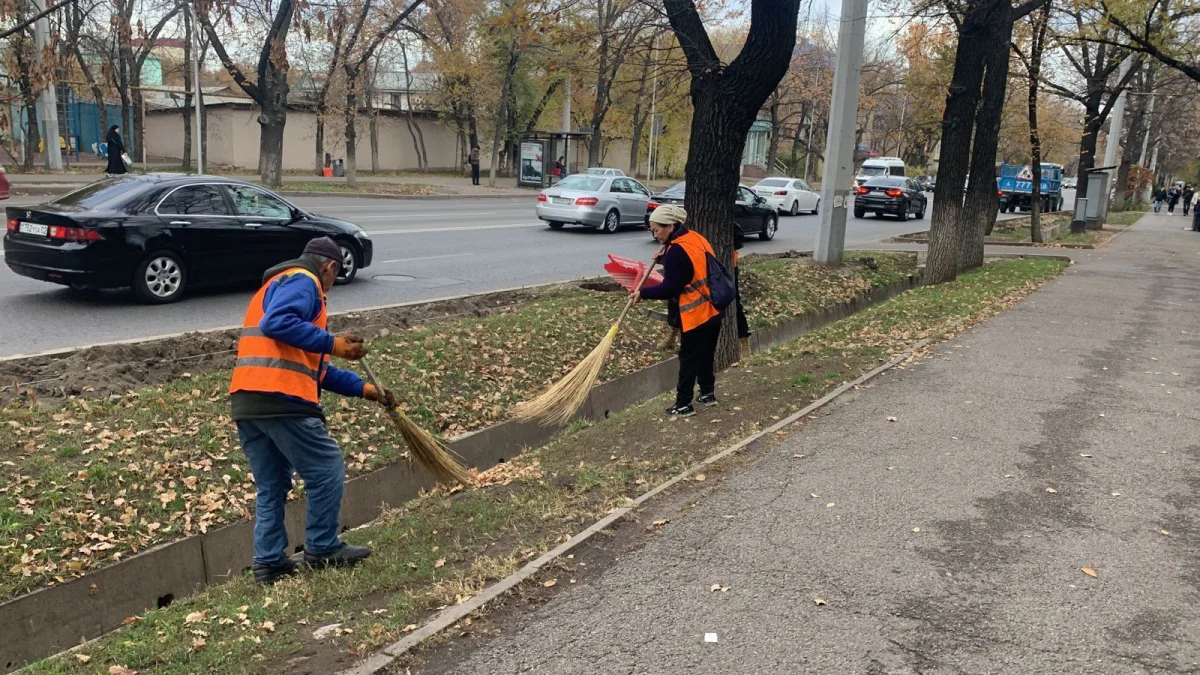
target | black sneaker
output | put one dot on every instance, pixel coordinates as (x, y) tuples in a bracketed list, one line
[(346, 556), (268, 574), (708, 399), (681, 410)]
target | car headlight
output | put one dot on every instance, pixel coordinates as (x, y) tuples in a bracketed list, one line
[(362, 234)]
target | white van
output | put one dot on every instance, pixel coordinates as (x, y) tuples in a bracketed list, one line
[(880, 166)]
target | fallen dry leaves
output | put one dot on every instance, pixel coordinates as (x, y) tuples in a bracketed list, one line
[(1090, 571)]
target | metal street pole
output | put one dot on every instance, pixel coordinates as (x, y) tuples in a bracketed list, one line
[(1113, 146), (837, 179), (196, 87), (566, 127), (48, 98), (653, 108)]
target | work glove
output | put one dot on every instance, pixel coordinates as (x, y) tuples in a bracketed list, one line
[(349, 347), (384, 396)]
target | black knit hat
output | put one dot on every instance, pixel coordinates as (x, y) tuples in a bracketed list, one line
[(326, 248)]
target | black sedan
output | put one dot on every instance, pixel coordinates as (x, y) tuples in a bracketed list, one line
[(899, 197), (752, 213), (161, 234)]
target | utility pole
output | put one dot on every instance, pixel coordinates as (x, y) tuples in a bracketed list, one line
[(1113, 146), (653, 108), (48, 98), (837, 179), (196, 87)]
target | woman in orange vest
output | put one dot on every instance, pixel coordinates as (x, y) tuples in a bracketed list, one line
[(282, 366), (685, 288)]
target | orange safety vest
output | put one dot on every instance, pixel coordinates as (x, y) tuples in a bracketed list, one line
[(695, 308), (269, 366)]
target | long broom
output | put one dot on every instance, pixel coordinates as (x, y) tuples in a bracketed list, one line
[(558, 404), (423, 448)]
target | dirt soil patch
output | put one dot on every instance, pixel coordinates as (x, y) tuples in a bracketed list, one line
[(119, 369), (443, 548)]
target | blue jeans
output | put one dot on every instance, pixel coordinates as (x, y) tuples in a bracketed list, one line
[(275, 447), (1157, 205)]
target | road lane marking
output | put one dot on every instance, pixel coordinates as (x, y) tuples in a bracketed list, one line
[(424, 215), (425, 230), (427, 257)]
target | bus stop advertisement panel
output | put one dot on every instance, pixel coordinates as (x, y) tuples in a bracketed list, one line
[(532, 171)]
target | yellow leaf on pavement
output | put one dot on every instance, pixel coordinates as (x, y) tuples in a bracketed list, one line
[(819, 602), (1090, 571), (550, 583)]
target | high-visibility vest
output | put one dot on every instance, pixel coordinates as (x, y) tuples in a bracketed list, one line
[(269, 366), (695, 308)]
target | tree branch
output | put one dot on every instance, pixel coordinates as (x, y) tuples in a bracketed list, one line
[(235, 72), (693, 38)]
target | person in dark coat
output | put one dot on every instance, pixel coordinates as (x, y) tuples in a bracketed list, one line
[(1188, 193), (1160, 195), (1172, 200), (116, 148)]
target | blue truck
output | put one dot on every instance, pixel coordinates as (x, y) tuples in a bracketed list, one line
[(1016, 187)]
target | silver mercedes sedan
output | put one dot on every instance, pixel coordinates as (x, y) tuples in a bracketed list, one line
[(605, 203)]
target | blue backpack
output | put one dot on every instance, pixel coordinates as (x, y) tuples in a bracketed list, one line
[(721, 289)]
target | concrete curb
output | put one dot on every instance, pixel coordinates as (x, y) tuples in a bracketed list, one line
[(49, 620), (448, 617)]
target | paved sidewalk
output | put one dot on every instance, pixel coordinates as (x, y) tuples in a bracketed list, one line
[(1060, 435)]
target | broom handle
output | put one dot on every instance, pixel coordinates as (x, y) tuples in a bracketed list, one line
[(641, 282), (392, 412)]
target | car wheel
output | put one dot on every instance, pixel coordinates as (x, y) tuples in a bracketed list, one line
[(795, 208), (612, 222), (350, 263), (160, 278), (769, 228), (555, 225), (921, 214), (903, 214), (859, 213), (816, 207)]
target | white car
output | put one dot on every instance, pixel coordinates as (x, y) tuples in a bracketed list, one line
[(788, 195), (602, 171)]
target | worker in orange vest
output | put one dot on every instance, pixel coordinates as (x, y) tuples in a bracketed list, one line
[(684, 287), (282, 366)]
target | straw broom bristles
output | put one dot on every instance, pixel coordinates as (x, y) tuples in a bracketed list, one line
[(423, 448), (558, 404)]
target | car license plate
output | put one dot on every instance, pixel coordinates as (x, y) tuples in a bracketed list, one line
[(563, 200), (34, 228)]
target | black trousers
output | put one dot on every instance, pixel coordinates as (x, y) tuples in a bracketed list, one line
[(742, 325), (697, 350), (1187, 203), (474, 174)]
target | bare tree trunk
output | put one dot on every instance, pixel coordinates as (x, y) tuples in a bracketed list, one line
[(374, 141), (319, 144), (502, 113), (1035, 141), (958, 121), (351, 133), (983, 203), (188, 86)]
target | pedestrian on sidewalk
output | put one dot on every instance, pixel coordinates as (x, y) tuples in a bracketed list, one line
[(282, 365), (1196, 211), (1188, 193), (1160, 195), (116, 152), (684, 287), (473, 158), (1172, 200)]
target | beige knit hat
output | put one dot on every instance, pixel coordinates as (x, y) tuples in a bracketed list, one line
[(668, 214)]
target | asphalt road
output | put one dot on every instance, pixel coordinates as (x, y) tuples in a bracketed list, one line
[(423, 250), (1032, 509)]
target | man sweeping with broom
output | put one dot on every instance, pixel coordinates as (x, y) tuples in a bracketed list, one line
[(282, 366), (690, 306)]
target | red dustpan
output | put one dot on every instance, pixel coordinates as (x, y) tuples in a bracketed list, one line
[(628, 272)]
